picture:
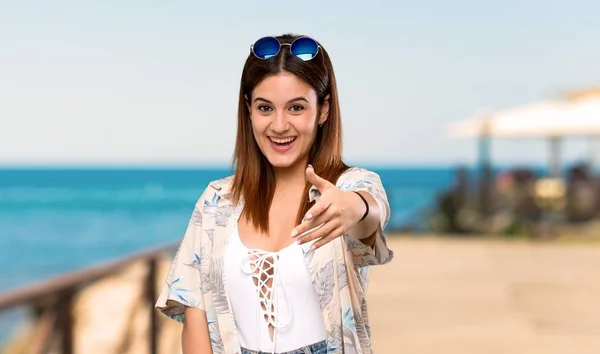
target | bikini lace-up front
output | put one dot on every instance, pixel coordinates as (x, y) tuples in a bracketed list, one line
[(273, 300), (265, 273)]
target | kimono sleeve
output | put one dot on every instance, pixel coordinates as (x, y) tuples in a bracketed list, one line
[(183, 285), (362, 180)]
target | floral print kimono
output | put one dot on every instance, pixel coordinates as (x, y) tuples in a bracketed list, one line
[(339, 270)]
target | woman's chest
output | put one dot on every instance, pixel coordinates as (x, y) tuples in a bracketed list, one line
[(277, 238)]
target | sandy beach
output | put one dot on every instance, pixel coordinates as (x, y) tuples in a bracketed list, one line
[(445, 295)]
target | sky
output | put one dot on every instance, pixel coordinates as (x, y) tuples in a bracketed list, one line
[(156, 83)]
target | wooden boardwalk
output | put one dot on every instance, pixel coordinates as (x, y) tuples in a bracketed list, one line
[(447, 296)]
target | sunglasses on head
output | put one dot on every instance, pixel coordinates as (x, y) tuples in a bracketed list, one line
[(304, 48)]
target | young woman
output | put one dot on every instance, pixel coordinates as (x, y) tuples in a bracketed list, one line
[(276, 258)]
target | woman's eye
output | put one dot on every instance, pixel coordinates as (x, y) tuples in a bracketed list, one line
[(264, 108), (296, 108)]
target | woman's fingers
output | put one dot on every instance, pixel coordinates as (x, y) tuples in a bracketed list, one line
[(326, 229), (332, 235), (319, 214)]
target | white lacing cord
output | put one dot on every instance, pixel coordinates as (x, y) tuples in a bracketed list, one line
[(257, 260)]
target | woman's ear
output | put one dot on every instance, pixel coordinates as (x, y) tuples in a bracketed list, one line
[(324, 110)]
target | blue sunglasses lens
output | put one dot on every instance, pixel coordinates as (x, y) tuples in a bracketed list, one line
[(304, 48), (266, 47)]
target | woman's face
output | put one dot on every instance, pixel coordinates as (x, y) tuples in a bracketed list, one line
[(283, 111)]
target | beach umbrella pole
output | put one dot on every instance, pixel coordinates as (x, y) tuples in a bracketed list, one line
[(555, 168), (485, 170)]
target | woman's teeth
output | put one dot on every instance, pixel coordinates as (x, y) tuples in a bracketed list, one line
[(282, 141)]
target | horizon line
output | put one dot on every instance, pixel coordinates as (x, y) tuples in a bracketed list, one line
[(217, 166)]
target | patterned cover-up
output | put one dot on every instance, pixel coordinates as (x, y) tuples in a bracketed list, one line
[(339, 270)]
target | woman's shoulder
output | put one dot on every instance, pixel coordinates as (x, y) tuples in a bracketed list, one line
[(357, 174), (221, 184), (215, 189)]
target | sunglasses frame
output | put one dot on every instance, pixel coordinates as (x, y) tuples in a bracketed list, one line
[(282, 44)]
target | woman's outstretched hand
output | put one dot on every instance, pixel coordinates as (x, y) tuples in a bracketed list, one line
[(334, 214)]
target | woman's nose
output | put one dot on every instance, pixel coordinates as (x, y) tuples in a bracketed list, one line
[(280, 122)]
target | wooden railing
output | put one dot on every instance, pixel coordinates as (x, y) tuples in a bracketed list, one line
[(51, 301)]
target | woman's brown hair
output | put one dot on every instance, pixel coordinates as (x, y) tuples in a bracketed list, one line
[(254, 179)]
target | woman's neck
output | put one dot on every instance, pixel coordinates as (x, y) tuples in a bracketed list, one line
[(290, 180)]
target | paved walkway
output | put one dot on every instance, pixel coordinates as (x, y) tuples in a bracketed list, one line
[(448, 296)]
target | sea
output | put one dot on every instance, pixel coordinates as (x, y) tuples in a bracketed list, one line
[(55, 220)]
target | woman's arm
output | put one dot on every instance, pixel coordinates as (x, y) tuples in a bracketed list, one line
[(181, 297), (338, 212), (194, 337), (366, 230)]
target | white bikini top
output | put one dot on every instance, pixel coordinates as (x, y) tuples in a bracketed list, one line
[(272, 290)]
